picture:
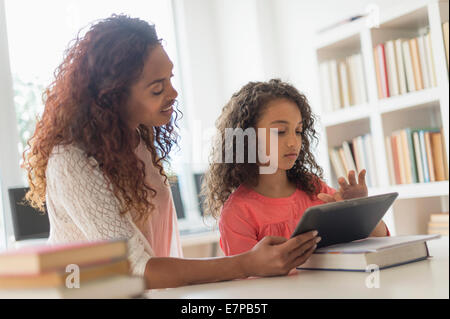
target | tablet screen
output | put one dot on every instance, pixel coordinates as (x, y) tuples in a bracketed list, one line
[(347, 220)]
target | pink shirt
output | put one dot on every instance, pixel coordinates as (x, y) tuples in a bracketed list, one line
[(161, 228), (247, 217)]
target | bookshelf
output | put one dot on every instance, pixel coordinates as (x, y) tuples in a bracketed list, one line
[(381, 116)]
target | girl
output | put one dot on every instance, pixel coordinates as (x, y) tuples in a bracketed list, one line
[(96, 160), (251, 205)]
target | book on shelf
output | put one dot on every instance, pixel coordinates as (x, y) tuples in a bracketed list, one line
[(407, 157), (400, 66), (444, 154), (391, 65), (345, 90), (370, 159), (377, 72), (355, 150), (325, 86), (349, 158), (381, 73), (409, 65), (409, 70), (417, 156), (426, 171), (359, 255), (417, 69), (438, 224), (390, 161), (343, 160), (358, 87), (439, 218), (398, 142), (342, 82), (438, 155), (429, 156), (335, 89), (356, 155), (336, 162), (445, 35), (112, 287), (430, 59), (395, 158), (353, 81), (421, 42), (411, 154)]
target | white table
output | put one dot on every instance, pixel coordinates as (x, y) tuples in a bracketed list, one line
[(424, 279)]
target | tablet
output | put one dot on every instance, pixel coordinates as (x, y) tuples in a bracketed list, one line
[(345, 221)]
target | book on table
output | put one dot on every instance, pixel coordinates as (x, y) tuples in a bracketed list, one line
[(35, 260), (384, 252), (57, 278), (76, 270), (113, 287)]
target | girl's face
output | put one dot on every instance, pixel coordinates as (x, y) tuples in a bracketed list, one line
[(285, 116), (152, 96)]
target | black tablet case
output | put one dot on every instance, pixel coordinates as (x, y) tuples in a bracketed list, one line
[(345, 221)]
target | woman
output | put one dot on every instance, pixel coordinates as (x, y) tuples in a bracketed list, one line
[(96, 157)]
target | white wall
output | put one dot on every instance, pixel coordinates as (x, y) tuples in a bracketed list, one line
[(231, 42), (10, 174)]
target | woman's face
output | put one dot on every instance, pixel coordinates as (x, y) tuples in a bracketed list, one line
[(152, 96), (284, 115)]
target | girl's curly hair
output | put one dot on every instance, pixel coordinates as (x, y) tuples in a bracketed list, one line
[(84, 106), (243, 111)]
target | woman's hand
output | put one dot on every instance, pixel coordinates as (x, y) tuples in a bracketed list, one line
[(349, 190), (277, 255)]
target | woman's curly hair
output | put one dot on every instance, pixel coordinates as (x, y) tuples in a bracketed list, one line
[(84, 106), (243, 111)]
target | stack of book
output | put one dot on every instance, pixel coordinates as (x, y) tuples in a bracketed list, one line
[(438, 224), (355, 155), (404, 65), (361, 255), (416, 156), (72, 271), (343, 83), (445, 33)]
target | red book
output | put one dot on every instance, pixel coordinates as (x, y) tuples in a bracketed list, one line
[(383, 70)]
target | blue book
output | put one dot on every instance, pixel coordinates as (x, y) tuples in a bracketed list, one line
[(412, 157)]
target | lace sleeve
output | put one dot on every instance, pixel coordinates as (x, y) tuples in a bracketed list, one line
[(81, 190)]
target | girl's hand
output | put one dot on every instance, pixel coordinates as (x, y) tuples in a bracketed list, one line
[(349, 190), (274, 256)]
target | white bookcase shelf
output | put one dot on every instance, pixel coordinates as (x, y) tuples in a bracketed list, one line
[(381, 117), (346, 115)]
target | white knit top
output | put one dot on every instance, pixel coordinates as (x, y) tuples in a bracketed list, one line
[(81, 207)]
